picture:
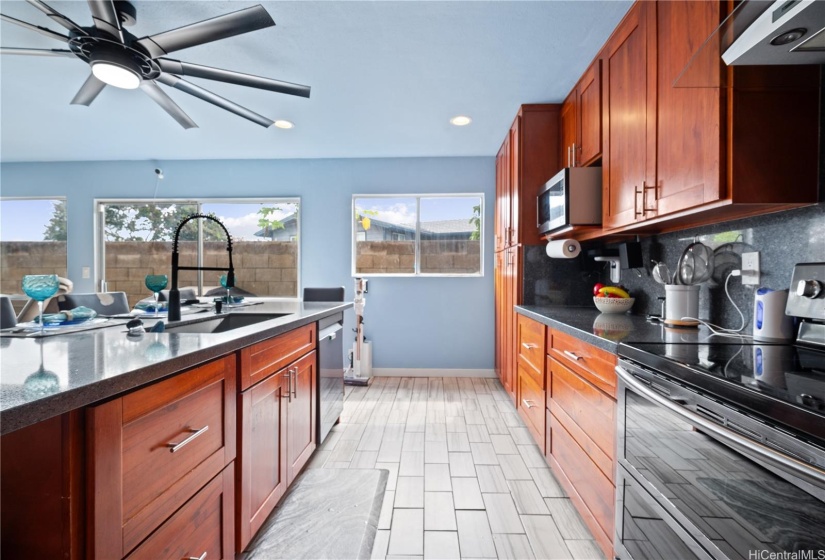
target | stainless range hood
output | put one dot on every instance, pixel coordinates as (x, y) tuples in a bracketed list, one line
[(787, 32), (759, 32)]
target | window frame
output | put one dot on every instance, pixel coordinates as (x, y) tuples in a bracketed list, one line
[(100, 242), (417, 273)]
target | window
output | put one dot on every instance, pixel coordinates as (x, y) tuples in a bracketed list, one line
[(136, 240), (32, 240), (426, 235)]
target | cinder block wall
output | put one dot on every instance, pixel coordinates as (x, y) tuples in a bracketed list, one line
[(437, 257)]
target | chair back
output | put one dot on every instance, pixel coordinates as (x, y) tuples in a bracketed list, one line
[(7, 317), (105, 303), (324, 294)]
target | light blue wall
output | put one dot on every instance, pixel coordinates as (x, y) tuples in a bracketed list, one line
[(413, 322)]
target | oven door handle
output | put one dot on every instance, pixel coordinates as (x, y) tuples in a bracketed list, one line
[(742, 444)]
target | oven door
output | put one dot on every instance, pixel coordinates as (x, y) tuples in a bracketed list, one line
[(552, 204), (684, 494)]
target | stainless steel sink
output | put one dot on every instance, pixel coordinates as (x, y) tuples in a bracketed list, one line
[(223, 323)]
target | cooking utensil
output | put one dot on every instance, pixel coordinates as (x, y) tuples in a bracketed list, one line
[(696, 264), (661, 273)]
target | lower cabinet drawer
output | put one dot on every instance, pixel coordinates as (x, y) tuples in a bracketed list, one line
[(531, 405), (588, 487), (202, 528)]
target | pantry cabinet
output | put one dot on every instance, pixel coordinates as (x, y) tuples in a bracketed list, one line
[(527, 159)]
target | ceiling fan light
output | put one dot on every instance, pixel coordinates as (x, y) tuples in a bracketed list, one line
[(115, 75)]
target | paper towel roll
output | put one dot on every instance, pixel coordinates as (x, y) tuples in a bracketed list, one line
[(563, 249)]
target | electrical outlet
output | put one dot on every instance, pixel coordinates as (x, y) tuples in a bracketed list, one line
[(750, 268), (86, 272)]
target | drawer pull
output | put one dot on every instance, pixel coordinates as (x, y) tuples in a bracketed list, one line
[(201, 557), (195, 433), (288, 375), (294, 383), (529, 346), (527, 403), (571, 355)]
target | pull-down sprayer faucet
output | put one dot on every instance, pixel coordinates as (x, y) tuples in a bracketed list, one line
[(174, 294)]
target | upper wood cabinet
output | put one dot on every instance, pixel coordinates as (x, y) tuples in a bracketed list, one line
[(581, 120), (677, 156), (629, 163), (528, 158)]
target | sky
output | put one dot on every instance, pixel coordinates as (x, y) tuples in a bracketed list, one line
[(25, 220), (402, 210)]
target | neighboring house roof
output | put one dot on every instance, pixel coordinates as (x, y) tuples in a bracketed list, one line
[(448, 226), (286, 220)]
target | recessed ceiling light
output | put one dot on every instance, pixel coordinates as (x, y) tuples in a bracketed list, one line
[(461, 120), (115, 75), (284, 124)]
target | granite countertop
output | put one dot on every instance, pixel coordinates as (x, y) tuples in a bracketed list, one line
[(86, 367), (606, 330)]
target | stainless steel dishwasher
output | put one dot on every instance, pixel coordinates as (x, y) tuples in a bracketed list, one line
[(330, 373)]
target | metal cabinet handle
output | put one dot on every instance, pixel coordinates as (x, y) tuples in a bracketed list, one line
[(173, 446), (295, 383), (636, 192), (201, 557), (808, 473), (571, 355), (574, 154), (288, 375), (529, 346), (527, 403), (569, 149), (646, 188)]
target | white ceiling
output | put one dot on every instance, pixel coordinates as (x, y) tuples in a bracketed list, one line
[(385, 76)]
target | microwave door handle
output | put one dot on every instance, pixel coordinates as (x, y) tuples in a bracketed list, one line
[(808, 473)]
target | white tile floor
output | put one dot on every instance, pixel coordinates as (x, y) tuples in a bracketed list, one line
[(466, 479)]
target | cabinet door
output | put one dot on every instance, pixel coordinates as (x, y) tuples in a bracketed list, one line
[(262, 461), (499, 308), (301, 415), (688, 164), (569, 129), (629, 118), (589, 90), (514, 184)]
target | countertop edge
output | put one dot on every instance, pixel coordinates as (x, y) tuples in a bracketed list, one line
[(27, 414)]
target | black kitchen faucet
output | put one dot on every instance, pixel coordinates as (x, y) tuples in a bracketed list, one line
[(174, 294)]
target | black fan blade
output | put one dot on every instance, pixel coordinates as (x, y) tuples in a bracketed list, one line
[(152, 90), (221, 27), (88, 91), (230, 77), (57, 17), (106, 17), (37, 52), (42, 30), (214, 99)]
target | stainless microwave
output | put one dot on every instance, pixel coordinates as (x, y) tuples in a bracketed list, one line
[(572, 198)]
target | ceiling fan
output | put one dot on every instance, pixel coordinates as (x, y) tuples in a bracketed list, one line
[(118, 58)]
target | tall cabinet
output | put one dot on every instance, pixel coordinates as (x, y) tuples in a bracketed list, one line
[(528, 157)]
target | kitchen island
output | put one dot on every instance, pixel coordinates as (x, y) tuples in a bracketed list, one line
[(129, 445)]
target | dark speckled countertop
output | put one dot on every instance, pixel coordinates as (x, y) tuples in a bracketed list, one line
[(607, 330), (91, 366)]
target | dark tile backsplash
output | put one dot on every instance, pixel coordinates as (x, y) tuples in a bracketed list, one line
[(782, 240)]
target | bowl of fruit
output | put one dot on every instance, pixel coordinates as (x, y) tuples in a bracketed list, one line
[(612, 299)]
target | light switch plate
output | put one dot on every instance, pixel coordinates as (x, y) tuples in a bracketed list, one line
[(750, 268), (86, 272)]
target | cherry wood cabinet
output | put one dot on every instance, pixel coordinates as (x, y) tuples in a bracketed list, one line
[(150, 451), (528, 158), (580, 430), (629, 117), (530, 370), (581, 120), (676, 156), (276, 425)]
